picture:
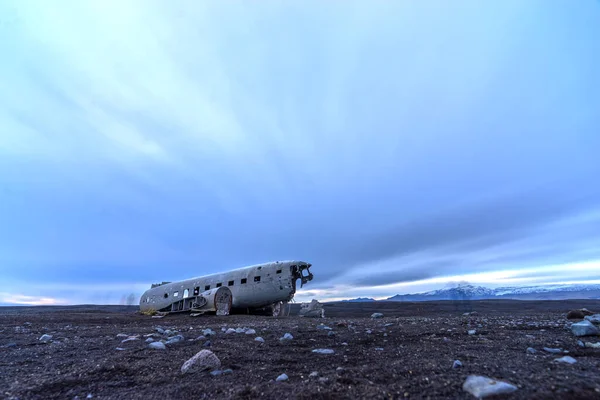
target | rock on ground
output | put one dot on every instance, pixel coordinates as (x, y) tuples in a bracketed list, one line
[(157, 346), (482, 386), (203, 360), (377, 315), (282, 378), (584, 328), (566, 359), (579, 314), (595, 319), (323, 351)]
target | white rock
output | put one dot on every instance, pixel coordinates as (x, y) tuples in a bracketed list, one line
[(45, 338), (230, 331), (482, 386), (531, 350), (566, 359), (472, 332), (239, 330), (592, 345), (282, 378), (593, 318), (250, 332), (259, 339), (122, 335), (377, 315), (584, 328), (323, 351), (157, 346), (208, 332), (149, 340), (285, 337), (130, 339), (313, 374), (553, 351), (203, 360), (457, 364)]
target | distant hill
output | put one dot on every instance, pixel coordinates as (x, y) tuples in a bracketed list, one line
[(358, 300), (471, 292)]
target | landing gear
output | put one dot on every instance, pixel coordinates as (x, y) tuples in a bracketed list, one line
[(281, 309)]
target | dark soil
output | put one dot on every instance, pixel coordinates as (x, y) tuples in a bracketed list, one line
[(411, 357)]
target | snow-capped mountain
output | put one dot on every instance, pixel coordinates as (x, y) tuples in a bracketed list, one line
[(470, 292)]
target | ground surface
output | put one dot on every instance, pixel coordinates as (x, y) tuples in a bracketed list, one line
[(407, 354)]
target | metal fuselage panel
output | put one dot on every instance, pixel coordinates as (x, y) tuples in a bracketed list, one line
[(251, 287)]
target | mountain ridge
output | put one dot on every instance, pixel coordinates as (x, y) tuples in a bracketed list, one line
[(471, 292)]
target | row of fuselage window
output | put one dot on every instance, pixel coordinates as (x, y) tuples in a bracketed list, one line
[(207, 287)]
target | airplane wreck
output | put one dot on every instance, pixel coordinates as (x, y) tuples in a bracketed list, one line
[(264, 289)]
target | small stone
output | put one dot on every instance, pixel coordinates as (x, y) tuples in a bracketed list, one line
[(472, 332), (201, 337), (566, 359), (482, 386), (159, 330), (149, 340), (323, 327), (592, 345), (377, 315), (168, 332), (323, 351), (120, 349), (531, 350), (157, 346), (45, 338), (323, 379), (206, 344), (584, 328), (339, 369), (239, 330), (175, 339), (457, 364), (313, 374), (286, 337), (282, 378), (530, 336), (331, 333), (122, 335), (259, 339), (378, 348), (130, 339), (209, 332), (580, 343), (230, 331), (551, 350), (216, 372), (228, 371), (250, 332), (203, 360)]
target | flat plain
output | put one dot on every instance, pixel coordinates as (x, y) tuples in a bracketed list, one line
[(409, 353)]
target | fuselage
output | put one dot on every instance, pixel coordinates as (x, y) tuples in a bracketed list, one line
[(252, 287)]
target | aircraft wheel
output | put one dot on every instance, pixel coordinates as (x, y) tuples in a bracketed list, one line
[(281, 309)]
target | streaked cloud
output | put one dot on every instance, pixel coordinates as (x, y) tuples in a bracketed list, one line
[(389, 143)]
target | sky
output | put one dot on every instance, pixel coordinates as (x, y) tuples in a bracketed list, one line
[(398, 146)]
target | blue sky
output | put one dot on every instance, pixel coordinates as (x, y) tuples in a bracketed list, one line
[(398, 146)]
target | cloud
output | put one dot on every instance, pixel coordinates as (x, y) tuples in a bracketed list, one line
[(21, 299), (384, 143)]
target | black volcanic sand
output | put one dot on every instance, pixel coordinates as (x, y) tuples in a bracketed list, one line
[(416, 360)]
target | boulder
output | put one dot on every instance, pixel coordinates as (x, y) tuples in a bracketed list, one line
[(584, 328), (579, 314), (594, 319), (203, 360), (482, 386)]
